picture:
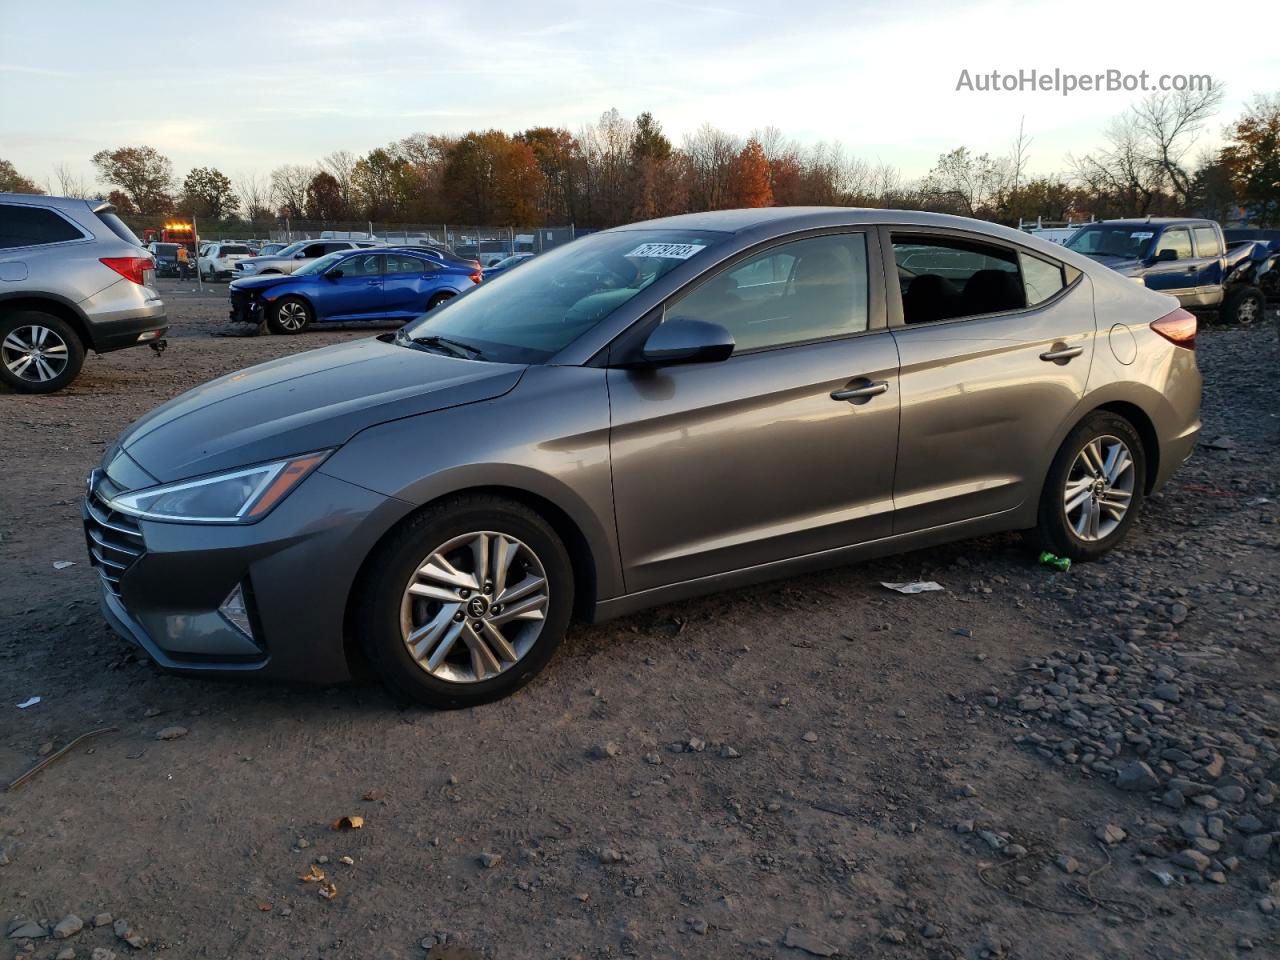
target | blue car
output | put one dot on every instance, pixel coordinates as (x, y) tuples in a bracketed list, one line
[(508, 263), (351, 285)]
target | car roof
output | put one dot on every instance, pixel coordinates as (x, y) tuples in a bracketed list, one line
[(63, 203), (1151, 221)]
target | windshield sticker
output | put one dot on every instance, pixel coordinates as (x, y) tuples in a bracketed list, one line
[(667, 251), (1142, 236)]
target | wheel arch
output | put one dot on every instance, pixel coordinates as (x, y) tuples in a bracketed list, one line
[(1146, 432), (53, 305)]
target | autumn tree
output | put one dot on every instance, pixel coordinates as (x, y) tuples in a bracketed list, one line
[(1252, 158), (376, 182), (120, 200), (324, 197), (207, 192), (142, 172), (559, 158), (658, 171), (493, 179), (11, 181), (749, 177)]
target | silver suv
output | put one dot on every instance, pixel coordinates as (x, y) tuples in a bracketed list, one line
[(297, 254), (73, 277)]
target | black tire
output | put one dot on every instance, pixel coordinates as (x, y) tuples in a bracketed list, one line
[(388, 573), (13, 333), (1244, 304), (290, 315), (1054, 531), (440, 298)]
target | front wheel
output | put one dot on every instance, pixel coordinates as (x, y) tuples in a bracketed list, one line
[(1094, 488), (290, 315), (466, 603), (1243, 305), (39, 353)]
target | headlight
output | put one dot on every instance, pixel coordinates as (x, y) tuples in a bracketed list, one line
[(241, 496)]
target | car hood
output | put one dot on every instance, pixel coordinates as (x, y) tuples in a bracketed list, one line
[(271, 261), (309, 401), (259, 282), (1118, 264)]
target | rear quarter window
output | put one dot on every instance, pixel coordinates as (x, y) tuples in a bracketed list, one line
[(120, 228), (33, 226)]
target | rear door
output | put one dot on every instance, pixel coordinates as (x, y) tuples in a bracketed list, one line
[(1209, 265), (407, 285), (995, 344), (357, 294)]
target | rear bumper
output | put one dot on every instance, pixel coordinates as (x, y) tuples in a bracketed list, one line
[(111, 335)]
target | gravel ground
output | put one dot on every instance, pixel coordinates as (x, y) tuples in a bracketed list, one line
[(1032, 764)]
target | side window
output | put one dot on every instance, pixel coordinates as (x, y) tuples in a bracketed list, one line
[(1040, 278), (403, 265), (1179, 241), (315, 250), (944, 278), (802, 290), (31, 226), (1207, 242), (364, 266)]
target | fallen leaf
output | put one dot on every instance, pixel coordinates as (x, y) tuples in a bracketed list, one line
[(264, 906), (328, 891), (315, 875), (374, 795), (348, 823), (63, 564)]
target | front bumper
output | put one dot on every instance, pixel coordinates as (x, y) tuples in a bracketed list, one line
[(245, 309), (296, 568)]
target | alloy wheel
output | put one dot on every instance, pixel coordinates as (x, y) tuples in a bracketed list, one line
[(292, 315), (474, 607), (1099, 488), (1247, 311), (34, 353)]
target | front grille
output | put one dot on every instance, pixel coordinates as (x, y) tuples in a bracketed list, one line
[(114, 539)]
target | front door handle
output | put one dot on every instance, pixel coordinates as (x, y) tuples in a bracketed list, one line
[(1061, 354), (861, 393)]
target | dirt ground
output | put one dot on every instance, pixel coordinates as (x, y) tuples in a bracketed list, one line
[(816, 767)]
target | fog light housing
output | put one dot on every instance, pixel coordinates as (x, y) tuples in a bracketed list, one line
[(235, 610), (148, 335)]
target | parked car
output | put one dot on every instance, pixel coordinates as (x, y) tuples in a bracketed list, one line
[(73, 277), (218, 261), (297, 254), (269, 249), (166, 258), (349, 286), (439, 252), (507, 263), (646, 414), (1183, 257)]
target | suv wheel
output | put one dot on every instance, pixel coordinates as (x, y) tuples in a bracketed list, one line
[(1244, 305), (39, 353), (290, 315), (466, 602), (1094, 488)]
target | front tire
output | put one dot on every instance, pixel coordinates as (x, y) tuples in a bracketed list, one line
[(39, 353), (1094, 489), (1244, 305), (466, 602), (290, 315)]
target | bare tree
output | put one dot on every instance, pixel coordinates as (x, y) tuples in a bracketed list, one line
[(1121, 173), (1168, 125), (711, 153), (340, 165), (289, 187), (68, 182), (254, 192), (1018, 156)]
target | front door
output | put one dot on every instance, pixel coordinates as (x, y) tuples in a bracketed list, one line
[(1176, 277), (995, 346), (722, 466)]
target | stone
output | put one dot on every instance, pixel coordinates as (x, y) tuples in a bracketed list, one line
[(102, 953), (68, 952), (609, 855), (1110, 834), (490, 860), (101, 919), (1137, 777), (894, 935), (1191, 860), (602, 751), (811, 737), (695, 745), (1068, 864), (68, 926), (698, 926), (797, 939), (122, 928), (1248, 824), (172, 733), (728, 753), (1258, 846), (28, 930)]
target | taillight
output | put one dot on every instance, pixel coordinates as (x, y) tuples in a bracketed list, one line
[(476, 276), (1179, 328), (131, 268)]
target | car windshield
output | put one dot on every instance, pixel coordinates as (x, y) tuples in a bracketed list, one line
[(292, 248), (534, 313), (510, 261), (1112, 241), (321, 265)]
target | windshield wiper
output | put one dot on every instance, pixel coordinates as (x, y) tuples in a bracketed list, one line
[(452, 347)]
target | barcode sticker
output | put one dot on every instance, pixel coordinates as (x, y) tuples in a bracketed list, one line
[(667, 251)]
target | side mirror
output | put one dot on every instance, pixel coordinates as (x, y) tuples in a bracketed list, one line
[(680, 340), (1167, 254), (334, 274)]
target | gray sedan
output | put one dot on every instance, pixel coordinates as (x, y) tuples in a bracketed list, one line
[(646, 414)]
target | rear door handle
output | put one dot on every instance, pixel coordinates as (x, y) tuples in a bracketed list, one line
[(861, 393), (1062, 353)]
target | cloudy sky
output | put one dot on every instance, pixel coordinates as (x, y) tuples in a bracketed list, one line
[(246, 86)]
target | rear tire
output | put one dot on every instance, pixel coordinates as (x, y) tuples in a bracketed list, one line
[(1244, 305), (439, 298), (290, 315), (39, 353), (1080, 514), (387, 614)]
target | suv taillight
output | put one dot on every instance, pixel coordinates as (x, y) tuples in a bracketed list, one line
[(1179, 328), (131, 268)]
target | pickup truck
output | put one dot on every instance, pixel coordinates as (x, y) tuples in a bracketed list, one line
[(1184, 257)]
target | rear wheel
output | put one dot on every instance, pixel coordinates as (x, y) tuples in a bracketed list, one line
[(466, 602), (440, 298), (1094, 488), (1243, 305), (290, 315), (39, 353)]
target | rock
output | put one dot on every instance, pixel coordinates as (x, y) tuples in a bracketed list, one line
[(1015, 850), (609, 855), (698, 926), (1258, 846), (964, 826), (1162, 875), (811, 737), (101, 919), (1248, 824), (695, 745), (102, 953), (68, 952), (728, 753), (799, 940), (68, 926), (1191, 860), (1137, 777), (28, 930), (122, 928), (172, 733), (490, 860), (602, 751), (894, 935), (1068, 864), (1110, 834)]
